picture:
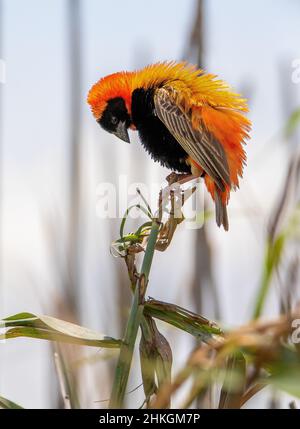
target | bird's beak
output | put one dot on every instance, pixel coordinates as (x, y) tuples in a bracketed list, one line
[(122, 132)]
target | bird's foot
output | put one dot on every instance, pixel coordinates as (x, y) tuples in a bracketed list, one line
[(176, 197), (176, 177), (179, 178)]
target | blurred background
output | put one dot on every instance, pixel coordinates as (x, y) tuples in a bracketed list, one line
[(55, 251)]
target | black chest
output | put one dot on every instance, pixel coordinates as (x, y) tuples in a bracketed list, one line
[(155, 137)]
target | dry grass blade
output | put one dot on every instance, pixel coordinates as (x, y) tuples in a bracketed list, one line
[(252, 392), (233, 389), (261, 343), (156, 358), (61, 381)]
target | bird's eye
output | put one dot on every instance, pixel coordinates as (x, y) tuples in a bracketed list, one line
[(114, 120)]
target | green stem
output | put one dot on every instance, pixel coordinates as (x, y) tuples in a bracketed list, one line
[(272, 258), (262, 293), (135, 317)]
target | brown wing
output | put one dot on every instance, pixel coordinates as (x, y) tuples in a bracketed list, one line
[(199, 144)]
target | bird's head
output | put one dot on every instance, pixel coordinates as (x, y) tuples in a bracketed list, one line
[(110, 101)]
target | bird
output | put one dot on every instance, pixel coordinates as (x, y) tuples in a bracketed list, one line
[(189, 120)]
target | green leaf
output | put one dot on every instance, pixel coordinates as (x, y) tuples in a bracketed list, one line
[(288, 382), (50, 328), (19, 316), (183, 319), (145, 202), (6, 404), (123, 222), (285, 373)]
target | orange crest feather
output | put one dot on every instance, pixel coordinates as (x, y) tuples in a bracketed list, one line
[(112, 86)]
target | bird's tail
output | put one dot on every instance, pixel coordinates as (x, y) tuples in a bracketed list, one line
[(221, 200), (221, 212)]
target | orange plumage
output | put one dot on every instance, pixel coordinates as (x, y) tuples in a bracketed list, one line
[(200, 121)]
